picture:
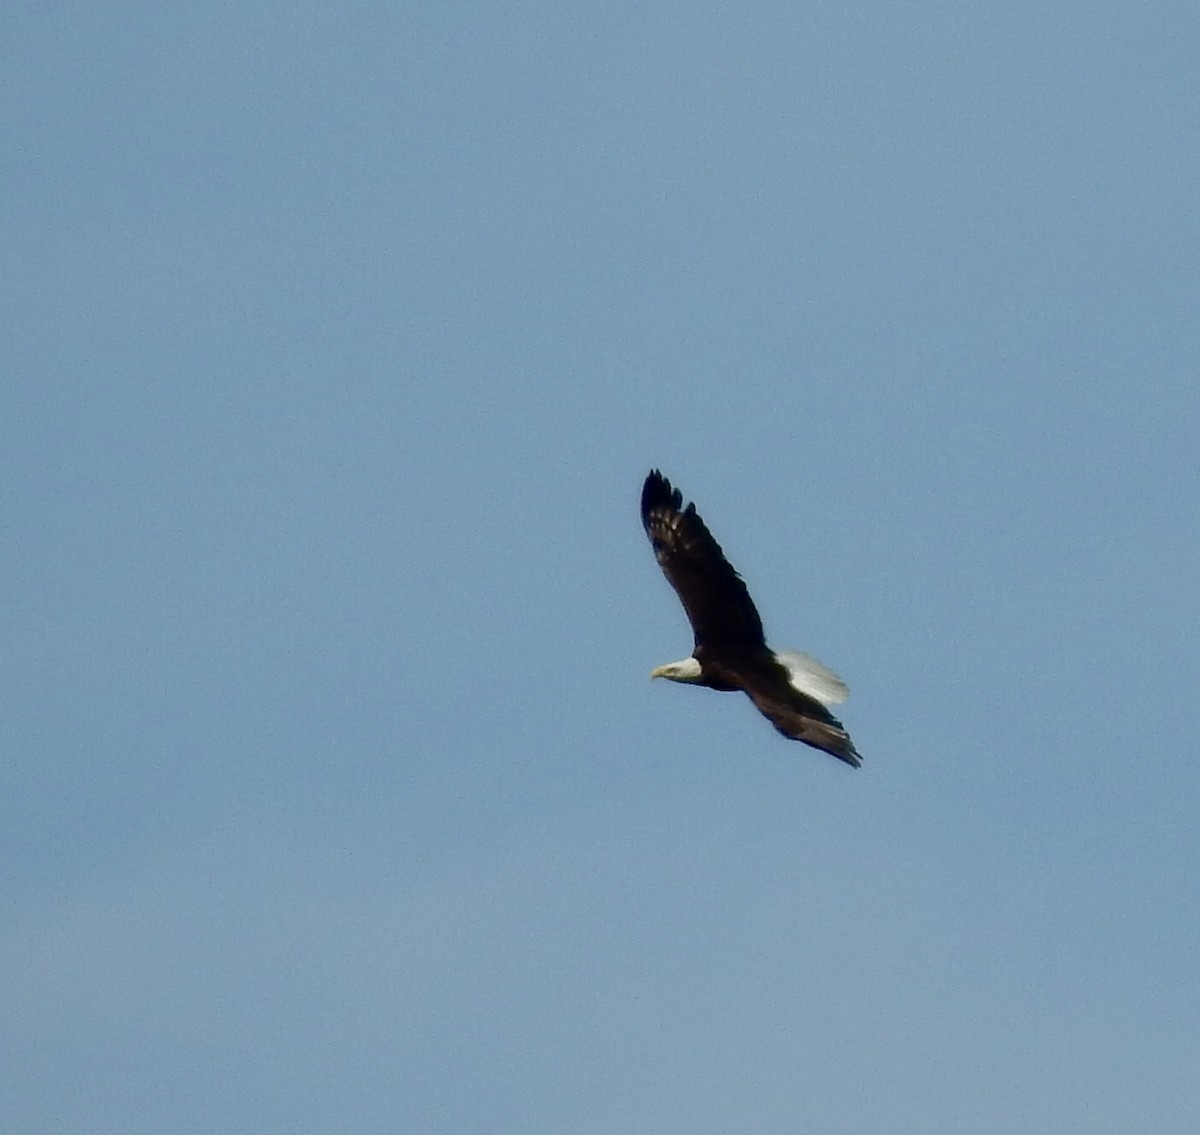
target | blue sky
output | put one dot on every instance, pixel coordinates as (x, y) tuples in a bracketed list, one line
[(338, 340)]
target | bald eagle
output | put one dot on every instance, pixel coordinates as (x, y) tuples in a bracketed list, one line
[(793, 691)]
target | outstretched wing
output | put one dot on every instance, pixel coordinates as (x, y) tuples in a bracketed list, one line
[(800, 725), (794, 713), (717, 603)]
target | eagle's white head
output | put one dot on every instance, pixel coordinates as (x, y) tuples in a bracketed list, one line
[(685, 670)]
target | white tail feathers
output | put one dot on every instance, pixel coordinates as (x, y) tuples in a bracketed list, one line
[(810, 677)]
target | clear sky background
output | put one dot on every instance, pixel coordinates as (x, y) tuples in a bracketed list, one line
[(338, 340)]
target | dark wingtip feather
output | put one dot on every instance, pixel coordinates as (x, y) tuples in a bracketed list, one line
[(658, 493), (842, 747), (835, 741)]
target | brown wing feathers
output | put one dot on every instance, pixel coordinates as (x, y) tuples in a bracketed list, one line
[(803, 719), (718, 605)]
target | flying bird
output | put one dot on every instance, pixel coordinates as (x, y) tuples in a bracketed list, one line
[(792, 690)]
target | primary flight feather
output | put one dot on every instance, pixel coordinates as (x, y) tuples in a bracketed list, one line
[(793, 691)]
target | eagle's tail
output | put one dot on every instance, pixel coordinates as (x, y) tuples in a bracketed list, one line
[(811, 677)]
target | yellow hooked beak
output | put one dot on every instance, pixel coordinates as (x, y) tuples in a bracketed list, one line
[(658, 672)]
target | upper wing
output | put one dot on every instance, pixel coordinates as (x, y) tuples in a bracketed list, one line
[(713, 594)]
